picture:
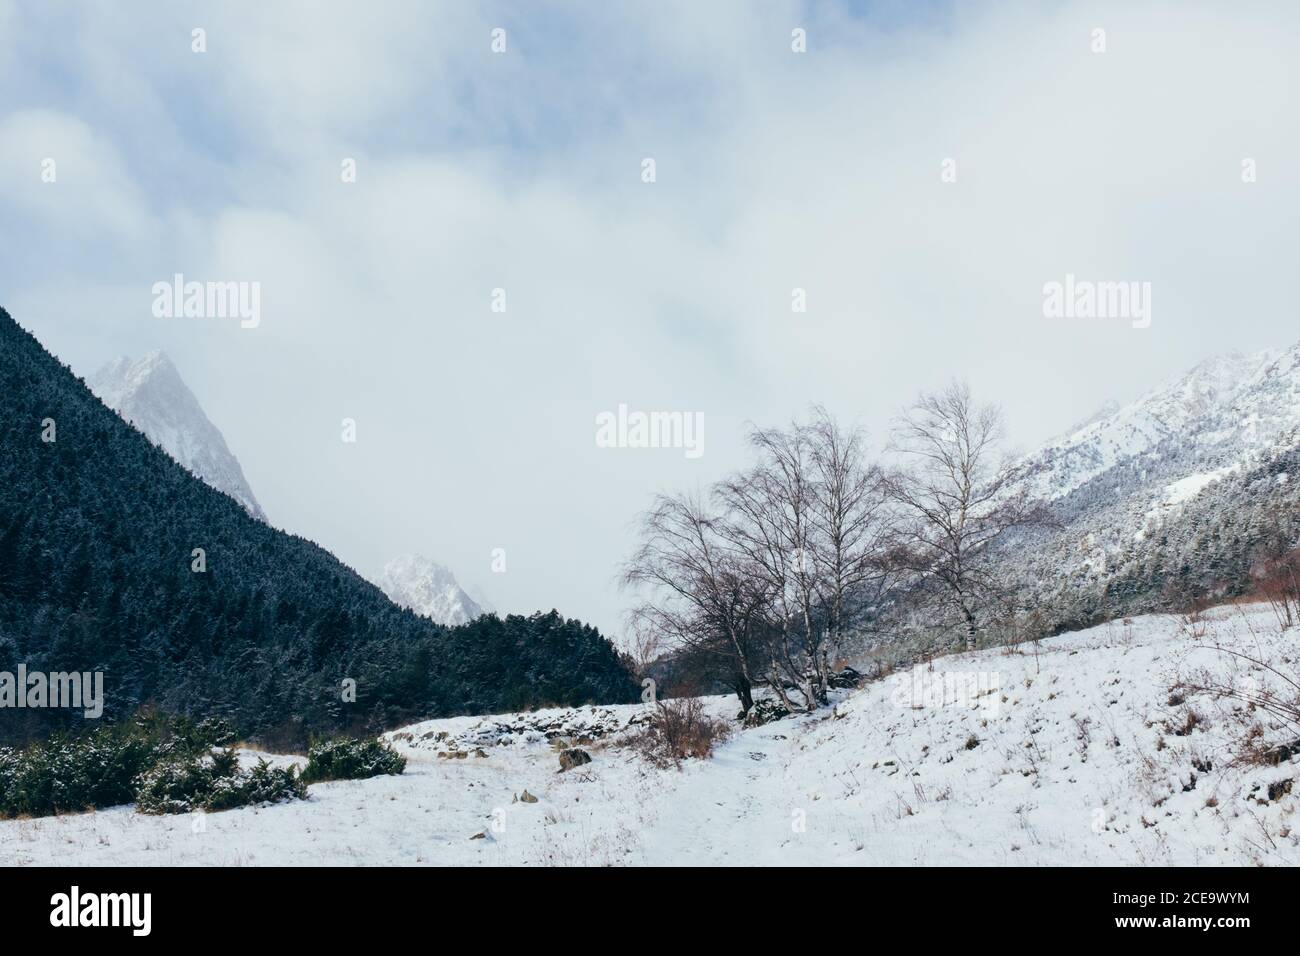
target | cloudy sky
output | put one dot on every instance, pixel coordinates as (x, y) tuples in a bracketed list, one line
[(522, 171)]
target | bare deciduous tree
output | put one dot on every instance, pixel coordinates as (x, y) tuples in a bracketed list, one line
[(769, 525), (700, 601), (771, 582), (852, 525), (956, 500)]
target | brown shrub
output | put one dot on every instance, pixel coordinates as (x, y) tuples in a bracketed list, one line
[(679, 730)]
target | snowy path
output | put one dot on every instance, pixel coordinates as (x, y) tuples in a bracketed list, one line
[(733, 810)]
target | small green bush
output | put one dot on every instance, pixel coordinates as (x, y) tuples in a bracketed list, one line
[(215, 781), (179, 785), (347, 759), (267, 784), (168, 760), (67, 773)]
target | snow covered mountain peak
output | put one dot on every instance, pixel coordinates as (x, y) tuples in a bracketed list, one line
[(123, 376), (150, 394), (1216, 380), (1168, 494), (426, 587), (1222, 411)]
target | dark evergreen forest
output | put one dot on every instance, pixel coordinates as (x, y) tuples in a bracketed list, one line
[(97, 532)]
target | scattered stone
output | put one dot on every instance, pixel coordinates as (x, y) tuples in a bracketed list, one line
[(583, 725), (480, 752), (526, 797), (765, 711), (1282, 753), (481, 835), (573, 758), (847, 678)]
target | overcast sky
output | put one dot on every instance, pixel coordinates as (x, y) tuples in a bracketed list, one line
[(522, 170)]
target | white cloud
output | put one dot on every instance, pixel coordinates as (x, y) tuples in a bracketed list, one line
[(776, 170), (60, 173)]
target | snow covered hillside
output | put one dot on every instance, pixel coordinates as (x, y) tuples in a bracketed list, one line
[(1225, 410), (1180, 493), (1083, 750), (150, 394)]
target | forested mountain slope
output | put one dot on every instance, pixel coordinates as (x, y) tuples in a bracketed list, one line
[(1171, 499), (98, 532)]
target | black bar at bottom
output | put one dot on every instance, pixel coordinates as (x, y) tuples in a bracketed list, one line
[(334, 906)]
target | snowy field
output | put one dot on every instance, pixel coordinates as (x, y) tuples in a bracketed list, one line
[(1076, 753)]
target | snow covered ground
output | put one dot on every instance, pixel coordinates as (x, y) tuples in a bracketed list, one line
[(1072, 753)]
